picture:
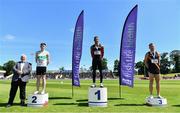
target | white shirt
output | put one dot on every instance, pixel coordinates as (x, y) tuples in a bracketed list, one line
[(21, 67), (42, 58)]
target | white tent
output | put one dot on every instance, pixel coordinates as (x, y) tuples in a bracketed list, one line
[(2, 72)]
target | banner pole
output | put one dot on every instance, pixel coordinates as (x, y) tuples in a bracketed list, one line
[(72, 91), (120, 91)]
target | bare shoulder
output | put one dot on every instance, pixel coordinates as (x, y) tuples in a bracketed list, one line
[(158, 53), (147, 54), (37, 52), (47, 52)]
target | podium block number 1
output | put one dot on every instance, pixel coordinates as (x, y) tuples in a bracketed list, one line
[(98, 93), (34, 99)]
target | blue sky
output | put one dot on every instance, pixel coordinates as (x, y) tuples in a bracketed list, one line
[(24, 24)]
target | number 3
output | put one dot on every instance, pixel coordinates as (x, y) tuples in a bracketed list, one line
[(160, 101), (34, 99)]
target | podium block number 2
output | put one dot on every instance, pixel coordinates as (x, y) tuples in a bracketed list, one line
[(34, 99), (98, 93)]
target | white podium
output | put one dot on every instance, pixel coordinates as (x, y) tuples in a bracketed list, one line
[(156, 101), (37, 100), (97, 97)]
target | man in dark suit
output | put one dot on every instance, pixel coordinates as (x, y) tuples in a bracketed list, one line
[(21, 75)]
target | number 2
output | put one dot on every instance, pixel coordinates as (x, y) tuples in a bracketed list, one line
[(98, 94), (34, 99)]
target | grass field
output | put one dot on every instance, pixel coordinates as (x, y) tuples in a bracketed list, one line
[(60, 97)]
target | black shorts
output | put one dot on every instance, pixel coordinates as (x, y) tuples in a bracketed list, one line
[(40, 70), (154, 70), (97, 64)]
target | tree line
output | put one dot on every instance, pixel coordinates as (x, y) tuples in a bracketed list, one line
[(170, 63)]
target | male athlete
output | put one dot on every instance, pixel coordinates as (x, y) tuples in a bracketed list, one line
[(97, 53), (152, 63), (42, 60)]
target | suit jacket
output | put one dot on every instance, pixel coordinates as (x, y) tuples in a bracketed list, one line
[(26, 71)]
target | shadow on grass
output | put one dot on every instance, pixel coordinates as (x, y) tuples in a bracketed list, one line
[(86, 100), (54, 98), (176, 105), (5, 104), (78, 104), (130, 105), (82, 100), (83, 104), (65, 104), (116, 98)]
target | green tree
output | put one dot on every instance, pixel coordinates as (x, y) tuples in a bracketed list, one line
[(116, 67), (61, 69), (175, 58), (1, 67), (104, 64), (140, 66), (165, 63), (8, 66)]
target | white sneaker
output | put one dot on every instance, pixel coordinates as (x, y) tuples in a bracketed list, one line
[(93, 85), (36, 92), (43, 92), (150, 97), (101, 85), (159, 96)]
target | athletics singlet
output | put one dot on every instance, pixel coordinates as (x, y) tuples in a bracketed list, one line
[(153, 62), (42, 58)]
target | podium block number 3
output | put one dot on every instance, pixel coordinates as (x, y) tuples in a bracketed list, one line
[(160, 101), (98, 93), (34, 99)]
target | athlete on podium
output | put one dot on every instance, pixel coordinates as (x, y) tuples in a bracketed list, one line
[(97, 53), (42, 60), (152, 63)]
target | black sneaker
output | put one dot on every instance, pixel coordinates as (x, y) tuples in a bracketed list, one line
[(8, 105), (101, 85), (93, 86), (23, 103), (159, 96)]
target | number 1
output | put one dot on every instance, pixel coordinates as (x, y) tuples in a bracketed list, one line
[(98, 94)]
